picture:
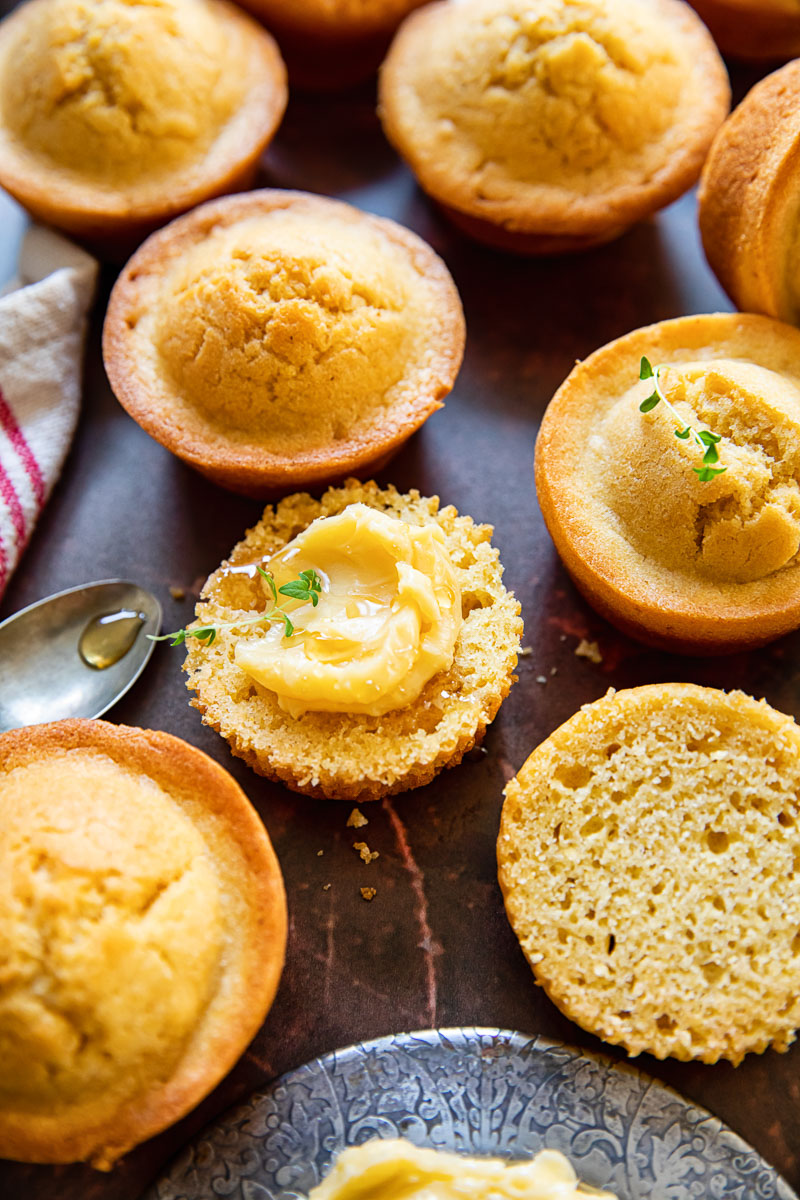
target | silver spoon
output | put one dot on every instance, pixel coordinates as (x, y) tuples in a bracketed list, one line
[(76, 653)]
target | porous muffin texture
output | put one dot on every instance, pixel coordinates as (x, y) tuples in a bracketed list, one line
[(702, 565), (568, 117), (346, 756), (144, 925), (648, 855), (117, 115), (277, 338), (110, 90), (749, 200), (111, 927)]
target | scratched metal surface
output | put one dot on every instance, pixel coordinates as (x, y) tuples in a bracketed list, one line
[(433, 947)]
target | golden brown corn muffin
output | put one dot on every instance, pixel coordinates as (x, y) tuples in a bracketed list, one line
[(681, 561), (553, 126), (356, 756), (143, 925), (115, 117), (749, 207), (279, 340), (649, 854)]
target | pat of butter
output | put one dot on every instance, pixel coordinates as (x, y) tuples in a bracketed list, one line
[(398, 1170), (387, 620)]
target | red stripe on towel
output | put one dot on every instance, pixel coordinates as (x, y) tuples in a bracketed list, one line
[(8, 494), (17, 438), (3, 567)]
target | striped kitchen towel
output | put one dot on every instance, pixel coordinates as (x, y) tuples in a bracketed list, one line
[(42, 327)]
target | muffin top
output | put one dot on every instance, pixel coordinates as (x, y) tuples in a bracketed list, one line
[(143, 922), (111, 927), (501, 106), (105, 103), (291, 333), (626, 495)]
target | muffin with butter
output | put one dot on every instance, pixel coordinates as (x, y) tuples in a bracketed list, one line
[(279, 340), (749, 201), (332, 43), (143, 923), (551, 126), (395, 1167), (399, 649), (674, 500), (115, 117)]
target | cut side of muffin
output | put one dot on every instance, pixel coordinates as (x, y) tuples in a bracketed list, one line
[(678, 560), (547, 128), (115, 117), (749, 201), (345, 755), (143, 922), (648, 856), (278, 339)]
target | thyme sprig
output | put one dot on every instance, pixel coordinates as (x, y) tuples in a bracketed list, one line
[(704, 438), (306, 586)]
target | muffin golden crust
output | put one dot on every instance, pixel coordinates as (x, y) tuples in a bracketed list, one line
[(648, 856), (754, 30), (685, 564), (553, 126), (344, 755), (115, 117), (144, 924), (278, 339), (749, 205)]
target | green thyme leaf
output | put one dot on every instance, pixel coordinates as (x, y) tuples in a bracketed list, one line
[(704, 438), (307, 586)]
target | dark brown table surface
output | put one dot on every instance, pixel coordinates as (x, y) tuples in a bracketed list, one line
[(434, 947)]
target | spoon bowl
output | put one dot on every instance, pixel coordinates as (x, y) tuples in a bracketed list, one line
[(45, 678)]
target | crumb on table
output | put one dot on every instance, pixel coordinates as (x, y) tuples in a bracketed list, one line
[(364, 851), (356, 820), (368, 893), (590, 650)]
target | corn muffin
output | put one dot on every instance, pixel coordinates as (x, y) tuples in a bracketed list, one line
[(393, 1167), (754, 30), (143, 924), (553, 125), (649, 854), (749, 207), (679, 554), (117, 116), (332, 43), (364, 751), (280, 340)]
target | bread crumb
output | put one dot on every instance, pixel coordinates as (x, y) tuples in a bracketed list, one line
[(554, 670), (541, 679), (525, 651), (357, 820), (590, 650), (326, 887), (177, 593), (368, 893), (320, 853), (364, 851)]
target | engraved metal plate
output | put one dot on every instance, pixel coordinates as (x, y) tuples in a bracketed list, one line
[(482, 1091)]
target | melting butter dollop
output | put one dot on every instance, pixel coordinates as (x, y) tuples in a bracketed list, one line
[(387, 620), (397, 1170)]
